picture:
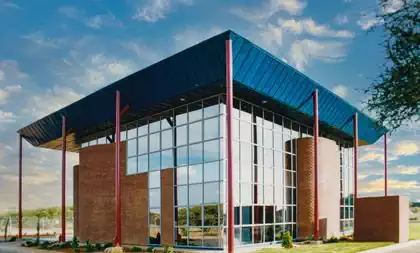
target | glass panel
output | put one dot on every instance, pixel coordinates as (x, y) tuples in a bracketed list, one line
[(101, 140), (258, 234), (258, 214), (132, 133), (131, 147), (143, 163), (142, 145), (269, 234), (195, 132), (154, 235), (211, 236), (279, 229), (154, 142), (269, 214), (131, 165), (194, 111), (195, 215), (182, 156), (246, 235), (182, 195), (181, 236), (211, 151), (211, 193), (245, 132), (154, 161), (268, 195), (211, 107), (181, 135), (211, 128), (211, 172), (246, 194), (154, 197), (268, 158), (154, 179), (236, 215), (182, 175), (195, 173), (195, 236), (280, 214), (154, 216), (278, 141), (268, 138), (181, 213), (196, 153), (210, 215), (246, 111), (167, 159), (165, 119), (195, 194), (167, 139), (181, 115), (246, 215), (154, 127), (143, 129)]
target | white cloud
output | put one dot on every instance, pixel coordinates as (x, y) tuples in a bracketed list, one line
[(155, 10), (367, 21), (39, 39), (377, 185), (192, 36), (14, 88), (6, 117), (406, 170), (36, 177), (302, 51), (392, 6), (341, 19), (57, 97), (271, 37), (269, 8), (341, 90), (1, 75), (142, 51), (310, 27), (4, 95), (407, 148), (104, 20)]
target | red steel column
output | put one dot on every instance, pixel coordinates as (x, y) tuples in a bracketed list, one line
[(316, 135), (20, 186), (63, 180), (386, 163), (355, 147), (117, 171), (229, 116)]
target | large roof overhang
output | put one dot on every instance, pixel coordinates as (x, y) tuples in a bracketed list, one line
[(197, 72)]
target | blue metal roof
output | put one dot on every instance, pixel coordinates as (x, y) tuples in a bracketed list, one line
[(196, 71)]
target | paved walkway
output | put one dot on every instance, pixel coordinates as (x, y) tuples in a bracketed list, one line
[(407, 247)]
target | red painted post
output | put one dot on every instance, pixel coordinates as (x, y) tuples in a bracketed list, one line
[(63, 180), (316, 135), (229, 118), (117, 171), (386, 163), (355, 147), (20, 186)]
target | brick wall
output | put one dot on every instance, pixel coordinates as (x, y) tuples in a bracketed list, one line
[(382, 219), (328, 187), (167, 206)]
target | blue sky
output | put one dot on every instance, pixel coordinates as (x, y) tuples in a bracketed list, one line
[(53, 53)]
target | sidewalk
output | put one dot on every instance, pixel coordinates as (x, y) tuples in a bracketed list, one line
[(406, 247)]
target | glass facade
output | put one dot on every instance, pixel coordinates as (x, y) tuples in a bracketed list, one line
[(191, 140)]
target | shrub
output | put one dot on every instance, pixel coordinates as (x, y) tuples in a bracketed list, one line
[(75, 242), (44, 245), (287, 240), (98, 246), (332, 239), (89, 247), (168, 249), (108, 245), (13, 239), (136, 249), (150, 249)]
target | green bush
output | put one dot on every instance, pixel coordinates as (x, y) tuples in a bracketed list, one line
[(287, 240), (108, 245), (75, 243), (89, 247), (332, 240), (136, 249), (150, 249), (168, 249), (13, 239), (44, 245), (98, 246)]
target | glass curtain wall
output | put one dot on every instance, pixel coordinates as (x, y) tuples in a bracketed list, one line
[(347, 188)]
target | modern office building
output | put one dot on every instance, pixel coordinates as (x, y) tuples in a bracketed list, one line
[(165, 179)]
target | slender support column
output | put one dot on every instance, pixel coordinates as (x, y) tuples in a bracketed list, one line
[(20, 186), (355, 147), (316, 135), (229, 116), (386, 163), (117, 171), (63, 180)]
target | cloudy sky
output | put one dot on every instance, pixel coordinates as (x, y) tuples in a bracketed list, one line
[(53, 53)]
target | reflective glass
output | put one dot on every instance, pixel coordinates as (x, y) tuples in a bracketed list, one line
[(143, 163), (182, 195), (258, 234), (181, 135), (167, 139), (182, 156), (131, 147), (245, 132), (154, 216), (211, 171), (269, 234), (210, 215), (167, 159), (154, 179), (210, 111), (142, 145), (195, 194), (246, 215), (211, 128), (195, 132), (181, 236), (132, 133), (182, 175), (154, 161), (154, 198), (246, 233), (154, 142), (181, 115), (194, 214), (154, 126), (142, 130), (196, 153), (131, 165), (181, 213), (195, 173), (211, 193), (195, 236), (210, 237), (211, 151), (154, 235)]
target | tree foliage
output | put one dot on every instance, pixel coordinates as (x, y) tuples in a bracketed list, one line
[(395, 93)]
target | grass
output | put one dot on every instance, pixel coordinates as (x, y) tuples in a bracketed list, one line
[(340, 247), (415, 231)]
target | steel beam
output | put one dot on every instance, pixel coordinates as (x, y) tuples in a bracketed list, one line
[(20, 187), (229, 119), (355, 148), (386, 163), (117, 171), (316, 135), (63, 179)]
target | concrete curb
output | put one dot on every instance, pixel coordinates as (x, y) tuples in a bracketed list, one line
[(394, 247)]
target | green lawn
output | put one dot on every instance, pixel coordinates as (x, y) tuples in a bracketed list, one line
[(415, 231), (341, 247)]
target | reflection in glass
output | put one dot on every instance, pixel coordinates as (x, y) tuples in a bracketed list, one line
[(279, 229), (258, 214), (154, 161), (154, 126), (210, 215), (258, 234), (211, 128), (246, 235), (246, 215), (210, 237), (154, 198), (131, 147), (269, 234), (182, 175), (211, 171), (196, 153), (167, 159), (181, 135), (143, 163), (167, 139), (154, 216), (211, 151), (182, 156), (195, 215), (132, 133), (132, 165), (195, 236), (195, 194), (195, 173), (195, 132), (143, 129), (182, 195), (154, 235), (154, 142), (280, 214), (154, 179), (181, 237), (142, 145), (211, 193), (181, 213)]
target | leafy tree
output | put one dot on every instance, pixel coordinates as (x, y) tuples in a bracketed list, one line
[(395, 93)]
